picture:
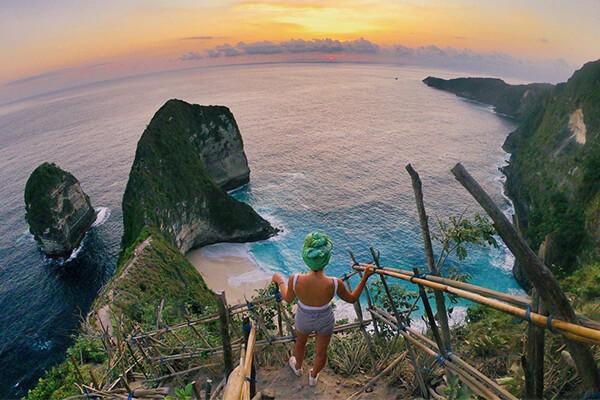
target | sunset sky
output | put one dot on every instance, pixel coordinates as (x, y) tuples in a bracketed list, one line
[(42, 39)]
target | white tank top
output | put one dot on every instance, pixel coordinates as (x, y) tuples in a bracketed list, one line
[(323, 307)]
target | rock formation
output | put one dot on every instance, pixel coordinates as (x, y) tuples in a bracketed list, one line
[(516, 101), (58, 211), (553, 176), (185, 160)]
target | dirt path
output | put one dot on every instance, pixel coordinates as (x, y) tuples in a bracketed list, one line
[(103, 314), (285, 385)]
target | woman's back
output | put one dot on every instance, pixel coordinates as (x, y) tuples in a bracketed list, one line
[(314, 289)]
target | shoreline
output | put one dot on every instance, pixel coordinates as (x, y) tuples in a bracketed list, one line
[(230, 268)]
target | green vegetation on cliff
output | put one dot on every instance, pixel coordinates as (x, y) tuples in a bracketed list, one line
[(37, 194), (58, 211), (516, 101), (170, 189), (554, 172), (150, 270)]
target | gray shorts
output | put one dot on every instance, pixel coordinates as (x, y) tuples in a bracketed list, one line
[(319, 321)]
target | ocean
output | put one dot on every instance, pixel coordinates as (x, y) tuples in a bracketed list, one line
[(327, 145)]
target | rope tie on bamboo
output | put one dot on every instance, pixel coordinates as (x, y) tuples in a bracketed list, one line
[(440, 360), (549, 324), (418, 276), (528, 313)]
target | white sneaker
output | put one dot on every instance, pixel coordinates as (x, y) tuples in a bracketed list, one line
[(292, 364), (312, 381)]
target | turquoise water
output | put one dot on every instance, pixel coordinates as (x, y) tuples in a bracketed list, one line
[(327, 146)]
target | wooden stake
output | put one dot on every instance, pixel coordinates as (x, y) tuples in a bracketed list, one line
[(411, 352), (538, 273), (359, 316), (278, 307), (159, 313), (225, 338), (442, 314), (533, 360)]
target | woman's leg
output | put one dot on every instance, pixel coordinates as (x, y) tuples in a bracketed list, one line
[(299, 348), (321, 356)]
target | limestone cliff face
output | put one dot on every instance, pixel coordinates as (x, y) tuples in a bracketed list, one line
[(515, 101), (185, 160), (554, 172), (58, 211), (553, 176)]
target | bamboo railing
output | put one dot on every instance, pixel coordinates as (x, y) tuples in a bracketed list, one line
[(238, 382), (163, 355), (572, 331)]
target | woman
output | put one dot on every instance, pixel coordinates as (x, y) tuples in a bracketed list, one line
[(315, 291)]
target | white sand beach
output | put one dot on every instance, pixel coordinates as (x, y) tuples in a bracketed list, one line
[(230, 268)]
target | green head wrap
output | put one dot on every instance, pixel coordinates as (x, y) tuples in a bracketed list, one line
[(316, 251)]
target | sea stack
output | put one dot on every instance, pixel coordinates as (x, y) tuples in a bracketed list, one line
[(58, 211), (186, 159)]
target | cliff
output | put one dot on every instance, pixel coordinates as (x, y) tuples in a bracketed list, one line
[(58, 211), (553, 175), (554, 172), (185, 160), (149, 271), (516, 101)]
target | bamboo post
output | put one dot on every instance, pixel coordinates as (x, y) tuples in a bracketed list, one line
[(159, 311), (146, 357), (77, 370), (431, 319), (166, 362), (411, 351), (208, 389), (278, 307), (440, 302), (367, 294), (533, 360), (359, 316), (247, 326), (135, 358), (201, 337), (538, 273), (225, 338), (217, 390), (196, 387)]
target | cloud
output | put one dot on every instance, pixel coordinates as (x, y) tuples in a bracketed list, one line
[(191, 56), (199, 38), (463, 60), (358, 46), (223, 50), (493, 63)]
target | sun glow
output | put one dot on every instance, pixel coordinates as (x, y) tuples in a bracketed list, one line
[(50, 37)]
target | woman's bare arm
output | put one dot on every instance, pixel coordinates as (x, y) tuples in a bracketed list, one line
[(351, 297), (287, 291)]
